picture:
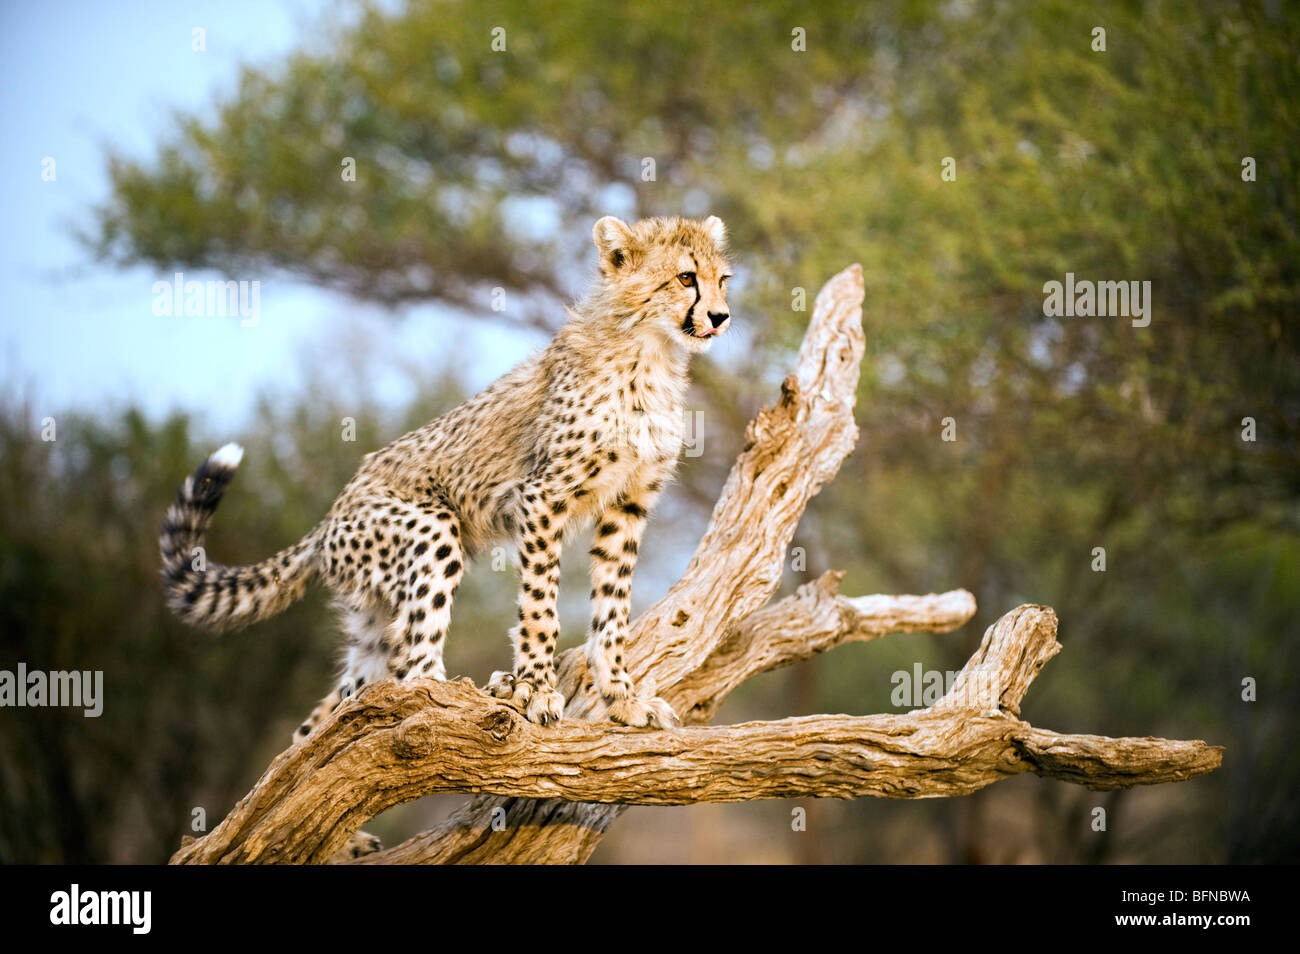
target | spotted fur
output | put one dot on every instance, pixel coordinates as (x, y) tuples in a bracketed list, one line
[(588, 430)]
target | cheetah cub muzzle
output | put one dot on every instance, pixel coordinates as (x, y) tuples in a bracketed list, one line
[(588, 430)]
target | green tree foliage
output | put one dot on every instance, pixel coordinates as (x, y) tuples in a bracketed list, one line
[(820, 133)]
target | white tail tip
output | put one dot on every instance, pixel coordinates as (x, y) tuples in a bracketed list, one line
[(228, 456)]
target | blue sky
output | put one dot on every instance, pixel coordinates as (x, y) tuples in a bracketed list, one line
[(82, 76)]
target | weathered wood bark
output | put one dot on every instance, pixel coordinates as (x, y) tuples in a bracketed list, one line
[(558, 789)]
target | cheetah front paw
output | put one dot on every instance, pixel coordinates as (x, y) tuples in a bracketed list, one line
[(506, 685), (544, 706), (651, 713)]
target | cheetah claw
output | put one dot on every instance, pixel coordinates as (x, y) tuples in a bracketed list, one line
[(543, 707), (546, 707)]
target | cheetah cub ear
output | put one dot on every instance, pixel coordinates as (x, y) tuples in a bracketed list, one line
[(717, 231), (615, 243)]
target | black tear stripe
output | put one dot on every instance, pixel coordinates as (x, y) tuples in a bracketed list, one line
[(688, 324)]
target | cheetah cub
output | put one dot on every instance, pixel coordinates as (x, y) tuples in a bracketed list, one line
[(589, 429)]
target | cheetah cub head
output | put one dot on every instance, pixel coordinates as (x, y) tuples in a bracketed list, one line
[(667, 278)]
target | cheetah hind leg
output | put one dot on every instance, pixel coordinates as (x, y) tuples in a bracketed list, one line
[(318, 714), (362, 622)]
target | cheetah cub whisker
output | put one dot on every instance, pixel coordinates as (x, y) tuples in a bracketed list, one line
[(589, 429)]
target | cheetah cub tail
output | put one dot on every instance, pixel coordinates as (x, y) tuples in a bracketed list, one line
[(204, 593)]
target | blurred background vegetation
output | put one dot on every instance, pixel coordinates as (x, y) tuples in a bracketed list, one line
[(479, 169)]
